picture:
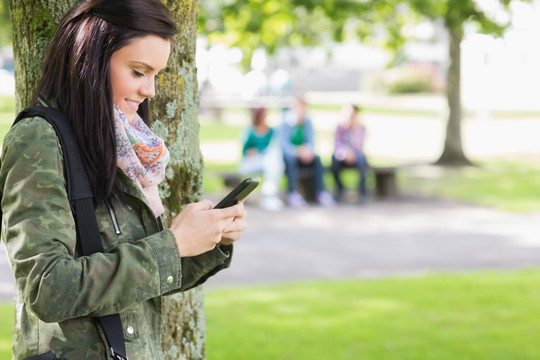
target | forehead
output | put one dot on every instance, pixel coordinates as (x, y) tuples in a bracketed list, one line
[(151, 50)]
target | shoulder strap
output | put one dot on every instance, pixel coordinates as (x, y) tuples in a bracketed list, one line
[(81, 199)]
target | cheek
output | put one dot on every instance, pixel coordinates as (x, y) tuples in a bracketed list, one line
[(120, 81)]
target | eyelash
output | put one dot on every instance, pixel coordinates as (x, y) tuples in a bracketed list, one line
[(139, 74)]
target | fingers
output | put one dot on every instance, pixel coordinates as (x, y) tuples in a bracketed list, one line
[(199, 227), (234, 227), (202, 205), (236, 211)]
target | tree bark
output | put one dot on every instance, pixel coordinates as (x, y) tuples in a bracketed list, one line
[(175, 113), (34, 23), (175, 110), (453, 153)]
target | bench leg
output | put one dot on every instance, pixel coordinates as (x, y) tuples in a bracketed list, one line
[(386, 185)]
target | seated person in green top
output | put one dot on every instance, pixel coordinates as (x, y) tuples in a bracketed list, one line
[(261, 154), (298, 146)]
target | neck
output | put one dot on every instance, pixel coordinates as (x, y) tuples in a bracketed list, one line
[(261, 128)]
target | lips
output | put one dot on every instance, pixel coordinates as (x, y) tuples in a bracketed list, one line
[(134, 105)]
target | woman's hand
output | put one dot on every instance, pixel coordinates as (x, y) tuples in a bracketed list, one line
[(199, 227), (234, 230)]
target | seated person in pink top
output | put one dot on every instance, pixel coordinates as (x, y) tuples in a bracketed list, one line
[(349, 152)]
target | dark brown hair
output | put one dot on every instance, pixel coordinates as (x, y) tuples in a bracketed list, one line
[(76, 75), (257, 115)]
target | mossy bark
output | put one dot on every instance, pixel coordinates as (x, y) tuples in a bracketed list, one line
[(175, 110), (175, 118), (34, 23)]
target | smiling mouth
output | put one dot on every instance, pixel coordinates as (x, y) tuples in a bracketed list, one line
[(133, 104)]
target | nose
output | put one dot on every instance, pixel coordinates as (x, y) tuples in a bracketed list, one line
[(148, 89)]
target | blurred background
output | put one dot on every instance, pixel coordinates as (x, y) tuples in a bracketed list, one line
[(446, 267)]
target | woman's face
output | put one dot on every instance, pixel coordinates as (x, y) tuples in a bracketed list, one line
[(133, 71)]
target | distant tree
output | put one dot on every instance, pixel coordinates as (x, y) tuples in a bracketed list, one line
[(455, 14), (274, 23)]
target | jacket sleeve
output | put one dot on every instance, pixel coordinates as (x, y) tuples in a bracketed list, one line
[(197, 269), (40, 236)]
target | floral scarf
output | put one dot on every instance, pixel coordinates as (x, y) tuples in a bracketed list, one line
[(142, 155)]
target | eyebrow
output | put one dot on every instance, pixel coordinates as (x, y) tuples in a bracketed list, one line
[(143, 64)]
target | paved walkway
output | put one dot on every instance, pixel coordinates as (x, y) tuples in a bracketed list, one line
[(402, 237)]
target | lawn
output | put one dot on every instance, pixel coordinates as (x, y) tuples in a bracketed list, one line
[(448, 316), (504, 184), (7, 114), (7, 315), (478, 316)]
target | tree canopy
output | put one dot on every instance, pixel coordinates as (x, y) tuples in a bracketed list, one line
[(251, 24), (271, 24)]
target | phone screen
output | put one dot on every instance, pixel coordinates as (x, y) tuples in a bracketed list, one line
[(239, 193)]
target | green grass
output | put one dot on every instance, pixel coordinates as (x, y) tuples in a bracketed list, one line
[(6, 119), (219, 131), (507, 185), (478, 316), (7, 114), (7, 104), (7, 316), (444, 317)]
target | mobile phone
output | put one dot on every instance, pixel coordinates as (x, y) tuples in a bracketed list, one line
[(239, 193)]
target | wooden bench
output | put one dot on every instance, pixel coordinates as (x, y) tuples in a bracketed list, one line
[(305, 184), (385, 181), (231, 180)]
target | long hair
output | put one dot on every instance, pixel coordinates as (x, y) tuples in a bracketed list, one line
[(258, 115), (76, 75)]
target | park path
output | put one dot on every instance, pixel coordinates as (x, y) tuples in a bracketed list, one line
[(406, 236), (400, 237)]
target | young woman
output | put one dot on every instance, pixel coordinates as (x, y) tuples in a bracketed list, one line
[(349, 152), (261, 154), (100, 73)]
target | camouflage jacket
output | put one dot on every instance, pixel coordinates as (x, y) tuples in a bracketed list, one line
[(58, 290)]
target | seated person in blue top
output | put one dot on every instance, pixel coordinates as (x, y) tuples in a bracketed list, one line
[(297, 143), (262, 155), (349, 151)]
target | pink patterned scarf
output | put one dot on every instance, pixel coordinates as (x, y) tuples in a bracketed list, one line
[(142, 155)]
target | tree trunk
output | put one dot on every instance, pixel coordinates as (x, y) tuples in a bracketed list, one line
[(175, 113), (175, 110), (34, 23), (453, 149)]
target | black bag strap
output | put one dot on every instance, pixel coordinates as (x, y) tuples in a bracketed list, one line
[(81, 199)]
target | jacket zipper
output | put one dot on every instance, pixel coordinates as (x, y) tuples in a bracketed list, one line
[(113, 218)]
